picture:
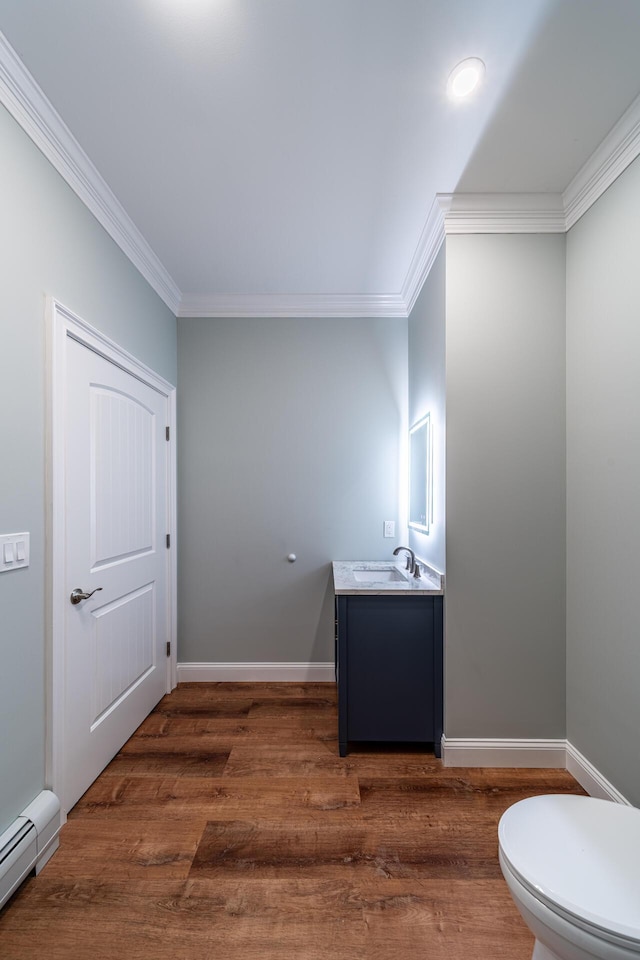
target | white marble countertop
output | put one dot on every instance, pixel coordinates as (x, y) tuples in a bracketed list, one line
[(346, 583)]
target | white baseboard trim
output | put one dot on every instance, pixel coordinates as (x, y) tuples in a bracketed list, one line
[(503, 753), (255, 672), (590, 778)]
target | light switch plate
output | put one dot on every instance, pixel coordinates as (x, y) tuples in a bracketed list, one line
[(14, 551), (389, 528)]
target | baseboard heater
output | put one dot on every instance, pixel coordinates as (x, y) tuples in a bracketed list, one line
[(29, 842)]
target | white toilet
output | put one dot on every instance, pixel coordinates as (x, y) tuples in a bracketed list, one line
[(572, 865)]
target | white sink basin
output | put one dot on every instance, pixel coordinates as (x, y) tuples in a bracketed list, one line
[(385, 575)]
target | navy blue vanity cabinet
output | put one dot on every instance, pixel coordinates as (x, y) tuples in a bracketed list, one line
[(389, 669)]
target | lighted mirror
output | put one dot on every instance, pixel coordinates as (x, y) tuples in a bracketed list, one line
[(420, 475)]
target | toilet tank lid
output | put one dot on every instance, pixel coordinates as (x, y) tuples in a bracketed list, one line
[(580, 853)]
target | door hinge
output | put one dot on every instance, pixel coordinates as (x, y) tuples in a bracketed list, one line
[(167, 432), (168, 540), (168, 648)]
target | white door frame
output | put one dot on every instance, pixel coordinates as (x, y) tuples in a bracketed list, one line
[(61, 324)]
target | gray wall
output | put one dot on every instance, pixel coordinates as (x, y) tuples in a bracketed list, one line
[(49, 244), (427, 395), (603, 484), (505, 486), (289, 441)]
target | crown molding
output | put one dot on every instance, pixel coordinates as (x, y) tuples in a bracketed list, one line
[(619, 148), (28, 105), (502, 212), (429, 243), (293, 305)]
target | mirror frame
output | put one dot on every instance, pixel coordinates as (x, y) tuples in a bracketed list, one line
[(421, 433)]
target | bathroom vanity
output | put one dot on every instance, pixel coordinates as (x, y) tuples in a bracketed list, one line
[(389, 634)]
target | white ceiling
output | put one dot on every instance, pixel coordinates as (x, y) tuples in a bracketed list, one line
[(294, 147)]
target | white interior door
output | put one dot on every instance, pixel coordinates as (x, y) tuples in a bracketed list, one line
[(116, 521)]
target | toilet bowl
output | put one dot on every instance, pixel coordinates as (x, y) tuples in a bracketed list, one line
[(572, 865)]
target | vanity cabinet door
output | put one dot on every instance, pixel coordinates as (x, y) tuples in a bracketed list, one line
[(390, 655)]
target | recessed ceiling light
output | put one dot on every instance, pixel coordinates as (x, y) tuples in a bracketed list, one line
[(465, 78)]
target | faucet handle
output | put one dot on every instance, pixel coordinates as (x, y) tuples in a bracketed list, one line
[(416, 571)]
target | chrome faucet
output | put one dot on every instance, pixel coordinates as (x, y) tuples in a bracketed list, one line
[(411, 559)]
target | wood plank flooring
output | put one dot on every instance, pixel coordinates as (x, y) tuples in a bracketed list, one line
[(228, 827)]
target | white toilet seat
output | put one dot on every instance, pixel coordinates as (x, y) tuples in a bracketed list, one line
[(580, 857), (562, 922)]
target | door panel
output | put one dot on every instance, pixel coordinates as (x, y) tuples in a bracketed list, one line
[(123, 481), (116, 483), (123, 648)]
